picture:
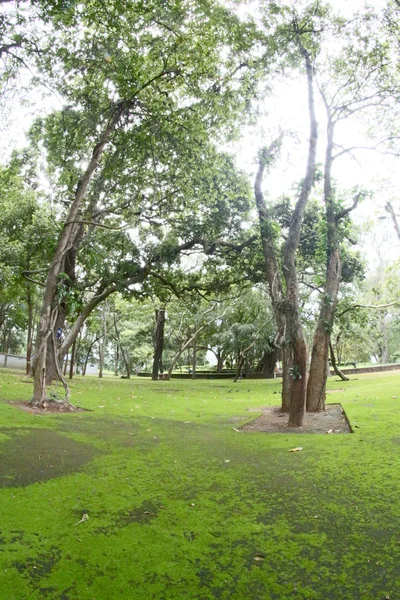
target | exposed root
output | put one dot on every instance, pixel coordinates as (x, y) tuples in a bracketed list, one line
[(54, 404)]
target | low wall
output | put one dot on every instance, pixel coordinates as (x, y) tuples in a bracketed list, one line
[(12, 361), (231, 375), (212, 375), (375, 369)]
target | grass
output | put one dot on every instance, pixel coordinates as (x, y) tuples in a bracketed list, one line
[(180, 505)]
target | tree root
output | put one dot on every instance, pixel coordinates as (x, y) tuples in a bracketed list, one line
[(54, 404)]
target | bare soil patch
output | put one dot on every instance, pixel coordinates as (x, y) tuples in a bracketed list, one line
[(52, 407), (332, 420)]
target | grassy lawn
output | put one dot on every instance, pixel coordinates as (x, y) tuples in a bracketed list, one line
[(181, 506)]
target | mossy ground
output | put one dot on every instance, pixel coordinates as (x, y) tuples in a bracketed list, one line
[(171, 519)]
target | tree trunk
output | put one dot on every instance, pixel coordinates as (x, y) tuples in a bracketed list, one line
[(220, 361), (71, 366), (54, 362), (30, 330), (239, 366), (316, 389), (101, 357), (194, 361), (116, 360), (159, 343), (334, 364), (96, 339), (65, 241)]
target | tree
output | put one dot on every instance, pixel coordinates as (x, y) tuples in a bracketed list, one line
[(285, 301), (25, 224), (179, 88)]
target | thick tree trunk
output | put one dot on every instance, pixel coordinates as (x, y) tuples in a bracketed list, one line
[(64, 243), (294, 331), (30, 329), (159, 343), (316, 389), (220, 361)]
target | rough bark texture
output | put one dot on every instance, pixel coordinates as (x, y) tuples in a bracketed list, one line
[(159, 343), (297, 361), (270, 261), (317, 377), (30, 330), (64, 243)]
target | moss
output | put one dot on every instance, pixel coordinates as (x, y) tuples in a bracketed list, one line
[(170, 519)]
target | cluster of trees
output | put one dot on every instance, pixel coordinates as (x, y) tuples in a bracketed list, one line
[(124, 193)]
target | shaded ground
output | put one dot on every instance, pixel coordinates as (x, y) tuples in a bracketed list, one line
[(332, 420), (30, 456)]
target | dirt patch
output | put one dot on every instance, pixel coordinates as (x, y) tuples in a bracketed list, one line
[(331, 420), (51, 407), (38, 455)]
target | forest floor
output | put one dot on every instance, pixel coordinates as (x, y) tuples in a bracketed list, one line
[(181, 504)]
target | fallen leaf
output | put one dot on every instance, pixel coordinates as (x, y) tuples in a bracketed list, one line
[(295, 449), (85, 517)]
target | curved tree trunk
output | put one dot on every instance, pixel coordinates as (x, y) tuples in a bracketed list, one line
[(316, 389), (334, 364), (64, 243), (294, 330)]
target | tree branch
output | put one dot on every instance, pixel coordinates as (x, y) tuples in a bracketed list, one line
[(343, 213)]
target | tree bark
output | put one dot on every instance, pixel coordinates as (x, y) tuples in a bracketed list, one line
[(96, 339), (220, 361), (297, 359), (30, 329), (125, 358), (316, 390), (64, 242), (159, 343), (71, 366), (271, 267), (116, 359), (334, 364), (194, 360)]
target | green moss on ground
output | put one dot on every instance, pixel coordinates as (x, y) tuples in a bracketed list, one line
[(180, 504)]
